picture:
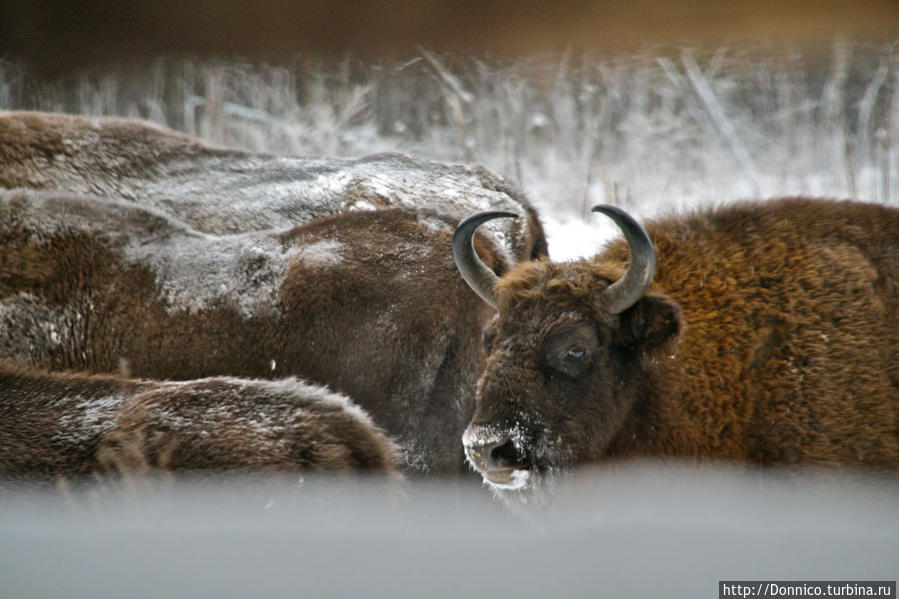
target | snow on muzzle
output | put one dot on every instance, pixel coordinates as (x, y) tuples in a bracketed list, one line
[(498, 455)]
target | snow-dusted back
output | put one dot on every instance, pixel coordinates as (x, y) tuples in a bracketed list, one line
[(90, 417), (221, 191), (193, 271), (241, 271), (289, 387), (244, 192), (267, 426)]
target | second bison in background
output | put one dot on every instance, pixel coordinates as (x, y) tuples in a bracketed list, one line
[(367, 303), (769, 335), (125, 243)]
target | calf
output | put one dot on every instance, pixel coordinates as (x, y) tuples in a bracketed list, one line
[(70, 424)]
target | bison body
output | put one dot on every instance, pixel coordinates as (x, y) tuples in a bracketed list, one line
[(217, 190), (769, 336), (367, 303), (71, 425)]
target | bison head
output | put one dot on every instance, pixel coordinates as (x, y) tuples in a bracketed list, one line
[(569, 354)]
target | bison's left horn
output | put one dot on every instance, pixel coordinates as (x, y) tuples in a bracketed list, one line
[(627, 291), (478, 276)]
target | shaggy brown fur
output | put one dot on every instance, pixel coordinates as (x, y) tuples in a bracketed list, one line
[(770, 336), (69, 424), (367, 303), (216, 190)]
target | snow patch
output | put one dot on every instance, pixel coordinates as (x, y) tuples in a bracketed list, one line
[(432, 223), (324, 253), (572, 237), (481, 435), (89, 418), (195, 272), (520, 479)]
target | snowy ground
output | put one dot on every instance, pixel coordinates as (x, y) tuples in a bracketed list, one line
[(655, 132), (639, 532)]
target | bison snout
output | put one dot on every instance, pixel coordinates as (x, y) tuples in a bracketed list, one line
[(496, 457)]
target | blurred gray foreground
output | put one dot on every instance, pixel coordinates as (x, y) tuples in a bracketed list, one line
[(636, 531)]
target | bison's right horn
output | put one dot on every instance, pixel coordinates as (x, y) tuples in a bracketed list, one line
[(627, 291), (478, 276)]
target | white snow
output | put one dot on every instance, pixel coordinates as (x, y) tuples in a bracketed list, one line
[(572, 237), (93, 416), (520, 479), (479, 436), (324, 253), (195, 271)]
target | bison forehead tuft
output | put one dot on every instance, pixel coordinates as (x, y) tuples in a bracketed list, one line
[(566, 286)]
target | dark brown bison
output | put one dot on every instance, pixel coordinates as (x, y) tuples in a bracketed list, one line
[(366, 302), (769, 335), (217, 190), (370, 291), (69, 424)]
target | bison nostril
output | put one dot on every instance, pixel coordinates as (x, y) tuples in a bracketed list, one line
[(500, 454), (492, 450), (502, 463), (503, 455)]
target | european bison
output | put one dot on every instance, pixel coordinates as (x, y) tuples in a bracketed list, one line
[(769, 335), (71, 425), (367, 303)]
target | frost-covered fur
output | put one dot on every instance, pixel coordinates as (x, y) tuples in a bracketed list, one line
[(769, 337), (215, 190), (202, 264), (70, 424), (365, 302)]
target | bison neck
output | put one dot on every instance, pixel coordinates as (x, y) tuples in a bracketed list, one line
[(788, 355)]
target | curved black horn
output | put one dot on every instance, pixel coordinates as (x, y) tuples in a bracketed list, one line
[(478, 276), (627, 291)]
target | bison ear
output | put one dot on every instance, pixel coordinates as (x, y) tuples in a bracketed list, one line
[(650, 323)]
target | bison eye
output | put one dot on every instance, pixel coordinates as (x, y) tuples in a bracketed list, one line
[(575, 353), (570, 349)]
